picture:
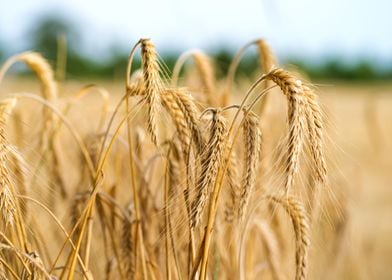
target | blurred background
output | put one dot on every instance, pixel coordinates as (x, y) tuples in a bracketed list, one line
[(339, 40)]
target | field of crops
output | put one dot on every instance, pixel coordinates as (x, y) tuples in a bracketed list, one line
[(186, 176)]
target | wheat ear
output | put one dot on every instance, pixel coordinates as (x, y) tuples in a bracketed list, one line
[(209, 165), (171, 105), (316, 141), (233, 182), (252, 139), (127, 246), (152, 85), (292, 89), (299, 219), (206, 71), (7, 196), (267, 61)]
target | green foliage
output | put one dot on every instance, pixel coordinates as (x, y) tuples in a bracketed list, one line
[(43, 37), (335, 69)]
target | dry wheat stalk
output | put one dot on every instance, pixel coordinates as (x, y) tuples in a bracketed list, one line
[(271, 246), (136, 86), (252, 139), (209, 165), (76, 205)]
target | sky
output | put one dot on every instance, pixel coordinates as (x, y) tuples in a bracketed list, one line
[(301, 28)]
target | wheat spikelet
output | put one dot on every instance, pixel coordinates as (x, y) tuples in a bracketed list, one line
[(3, 275), (76, 207), (233, 182), (127, 247), (57, 174), (93, 143), (177, 115), (44, 72), (190, 111), (206, 72), (19, 171), (41, 68), (174, 168), (292, 88), (316, 143), (209, 165), (152, 86), (299, 219), (316, 138), (252, 139), (37, 268), (182, 109), (7, 196), (109, 271)]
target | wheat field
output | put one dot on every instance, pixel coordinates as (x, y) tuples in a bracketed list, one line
[(184, 175)]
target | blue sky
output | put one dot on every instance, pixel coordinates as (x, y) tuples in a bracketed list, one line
[(304, 28)]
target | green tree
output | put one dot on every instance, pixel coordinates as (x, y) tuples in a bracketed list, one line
[(44, 35)]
